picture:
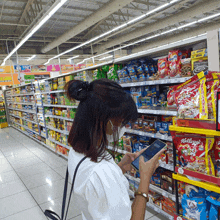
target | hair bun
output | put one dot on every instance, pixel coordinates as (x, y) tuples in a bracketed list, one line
[(77, 89)]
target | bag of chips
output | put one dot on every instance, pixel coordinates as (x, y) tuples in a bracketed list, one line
[(190, 98)]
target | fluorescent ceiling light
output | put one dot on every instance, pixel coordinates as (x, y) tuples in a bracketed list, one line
[(209, 17), (186, 25), (32, 57), (73, 57), (46, 63), (115, 29), (43, 21), (106, 57)]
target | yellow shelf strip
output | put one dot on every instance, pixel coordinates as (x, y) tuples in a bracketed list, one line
[(194, 130), (204, 185)]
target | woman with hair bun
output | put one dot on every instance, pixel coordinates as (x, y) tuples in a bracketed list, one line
[(101, 189)]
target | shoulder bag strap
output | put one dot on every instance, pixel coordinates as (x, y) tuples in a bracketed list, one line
[(66, 187)]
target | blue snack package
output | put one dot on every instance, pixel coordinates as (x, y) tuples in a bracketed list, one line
[(142, 77), (158, 126), (140, 70), (214, 200), (134, 78), (132, 70), (194, 208)]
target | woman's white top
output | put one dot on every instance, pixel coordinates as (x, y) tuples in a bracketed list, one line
[(100, 189)]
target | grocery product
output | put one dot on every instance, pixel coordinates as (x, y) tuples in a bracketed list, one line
[(190, 98), (194, 152)]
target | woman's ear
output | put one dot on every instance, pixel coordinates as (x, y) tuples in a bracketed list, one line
[(109, 128)]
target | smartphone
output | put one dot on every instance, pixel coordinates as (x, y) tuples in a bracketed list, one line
[(152, 150)]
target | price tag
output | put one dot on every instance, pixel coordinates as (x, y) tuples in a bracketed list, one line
[(180, 170)]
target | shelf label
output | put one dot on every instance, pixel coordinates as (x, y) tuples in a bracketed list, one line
[(180, 170)]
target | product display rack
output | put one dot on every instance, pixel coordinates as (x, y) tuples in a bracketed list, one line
[(3, 121), (155, 111)]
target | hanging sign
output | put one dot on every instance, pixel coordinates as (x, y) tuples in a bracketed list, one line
[(38, 68), (6, 69), (23, 68), (8, 79), (67, 68), (53, 68)]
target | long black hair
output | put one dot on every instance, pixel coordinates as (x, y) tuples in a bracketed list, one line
[(100, 101)]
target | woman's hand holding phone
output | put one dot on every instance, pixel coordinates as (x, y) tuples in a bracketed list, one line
[(148, 168)]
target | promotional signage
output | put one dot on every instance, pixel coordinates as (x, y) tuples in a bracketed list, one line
[(53, 68), (6, 69), (8, 79), (67, 68), (23, 68), (38, 68)]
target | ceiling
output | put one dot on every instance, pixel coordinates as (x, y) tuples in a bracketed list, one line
[(80, 20)]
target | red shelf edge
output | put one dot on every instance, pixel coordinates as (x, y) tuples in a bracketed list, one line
[(201, 176)]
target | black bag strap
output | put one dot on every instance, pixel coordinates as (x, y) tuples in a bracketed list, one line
[(52, 215), (66, 187)]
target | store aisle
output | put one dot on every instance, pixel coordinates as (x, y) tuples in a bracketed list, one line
[(32, 179)]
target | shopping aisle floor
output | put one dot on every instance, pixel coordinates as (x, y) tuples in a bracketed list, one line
[(32, 180)]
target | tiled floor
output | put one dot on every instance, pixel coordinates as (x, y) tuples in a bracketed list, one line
[(32, 180)]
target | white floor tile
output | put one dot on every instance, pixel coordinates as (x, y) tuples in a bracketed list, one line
[(32, 170), (56, 206), (48, 192), (34, 213), (20, 163), (20, 154), (8, 176), (40, 179), (11, 188), (16, 203), (61, 171), (149, 213), (5, 167)]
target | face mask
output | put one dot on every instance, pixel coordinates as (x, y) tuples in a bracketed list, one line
[(121, 132)]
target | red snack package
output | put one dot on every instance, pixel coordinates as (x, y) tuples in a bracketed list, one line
[(191, 98), (163, 68), (194, 152), (174, 63)]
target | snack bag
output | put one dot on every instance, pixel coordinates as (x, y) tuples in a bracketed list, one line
[(190, 98), (174, 63), (193, 152), (215, 204), (194, 208), (212, 85), (163, 68)]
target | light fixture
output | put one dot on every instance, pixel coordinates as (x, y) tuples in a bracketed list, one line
[(32, 57), (46, 62), (104, 58), (209, 17), (43, 21), (116, 28), (73, 57)]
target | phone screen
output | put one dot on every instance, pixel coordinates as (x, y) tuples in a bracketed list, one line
[(149, 152)]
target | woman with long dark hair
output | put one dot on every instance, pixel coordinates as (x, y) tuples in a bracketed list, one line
[(101, 189)]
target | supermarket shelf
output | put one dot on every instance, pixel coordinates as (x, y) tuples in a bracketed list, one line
[(154, 188), (166, 47), (23, 118), (31, 93), (23, 110), (142, 133), (159, 210), (158, 111), (118, 150), (40, 142), (194, 130), (26, 127), (23, 103), (60, 131), (204, 185), (177, 217), (57, 142), (197, 175), (60, 106), (166, 166), (156, 82), (55, 91), (59, 117)]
